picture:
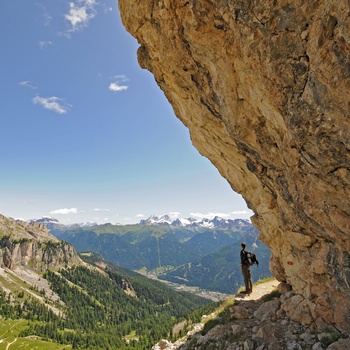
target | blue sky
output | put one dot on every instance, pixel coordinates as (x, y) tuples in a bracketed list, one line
[(86, 134)]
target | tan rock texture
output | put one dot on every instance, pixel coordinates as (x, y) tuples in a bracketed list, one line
[(32, 246), (264, 88)]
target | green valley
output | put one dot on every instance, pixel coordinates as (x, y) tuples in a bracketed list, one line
[(52, 299), (204, 256), (219, 271)]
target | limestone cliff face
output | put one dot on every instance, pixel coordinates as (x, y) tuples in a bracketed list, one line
[(32, 246), (264, 88)]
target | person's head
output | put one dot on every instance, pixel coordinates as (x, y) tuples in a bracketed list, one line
[(243, 245)]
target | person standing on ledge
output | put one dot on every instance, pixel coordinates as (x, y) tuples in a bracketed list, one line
[(246, 271)]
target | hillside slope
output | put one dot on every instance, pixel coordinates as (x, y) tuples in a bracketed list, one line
[(87, 305)]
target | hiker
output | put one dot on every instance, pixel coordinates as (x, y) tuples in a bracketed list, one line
[(245, 266)]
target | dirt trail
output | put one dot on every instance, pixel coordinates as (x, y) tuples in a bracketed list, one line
[(9, 344), (259, 290), (251, 302)]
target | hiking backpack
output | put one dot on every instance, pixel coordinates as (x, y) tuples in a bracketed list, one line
[(251, 257)]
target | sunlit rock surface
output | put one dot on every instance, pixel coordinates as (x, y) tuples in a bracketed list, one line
[(30, 245), (264, 88)]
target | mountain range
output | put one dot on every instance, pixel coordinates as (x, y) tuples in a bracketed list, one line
[(166, 219), (199, 253)]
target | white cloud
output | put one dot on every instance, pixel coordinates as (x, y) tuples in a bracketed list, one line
[(46, 16), (52, 103), (28, 84), (100, 220), (140, 216), (242, 212), (80, 14), (44, 44), (47, 19), (99, 209), (64, 211), (232, 214), (209, 215), (116, 85)]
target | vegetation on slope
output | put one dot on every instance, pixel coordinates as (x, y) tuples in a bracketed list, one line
[(98, 314)]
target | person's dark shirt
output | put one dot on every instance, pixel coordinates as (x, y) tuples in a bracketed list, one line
[(244, 259)]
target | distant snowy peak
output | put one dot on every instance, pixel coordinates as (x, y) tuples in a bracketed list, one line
[(217, 222), (157, 220), (49, 221), (46, 220)]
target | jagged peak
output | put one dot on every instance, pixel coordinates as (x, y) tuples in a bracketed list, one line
[(216, 222)]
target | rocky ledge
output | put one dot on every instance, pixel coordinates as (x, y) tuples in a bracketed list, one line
[(263, 87), (262, 323)]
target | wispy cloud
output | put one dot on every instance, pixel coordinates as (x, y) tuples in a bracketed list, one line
[(100, 220), (46, 16), (52, 103), (44, 44), (64, 211), (242, 212), (80, 13), (100, 209), (116, 85), (47, 19), (211, 215), (28, 84)]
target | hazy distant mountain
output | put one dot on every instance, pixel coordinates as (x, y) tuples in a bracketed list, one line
[(55, 227), (166, 219)]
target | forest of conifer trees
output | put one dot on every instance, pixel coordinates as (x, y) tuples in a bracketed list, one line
[(98, 314)]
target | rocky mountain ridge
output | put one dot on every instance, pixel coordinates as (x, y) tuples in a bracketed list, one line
[(27, 250), (32, 246), (216, 222)]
